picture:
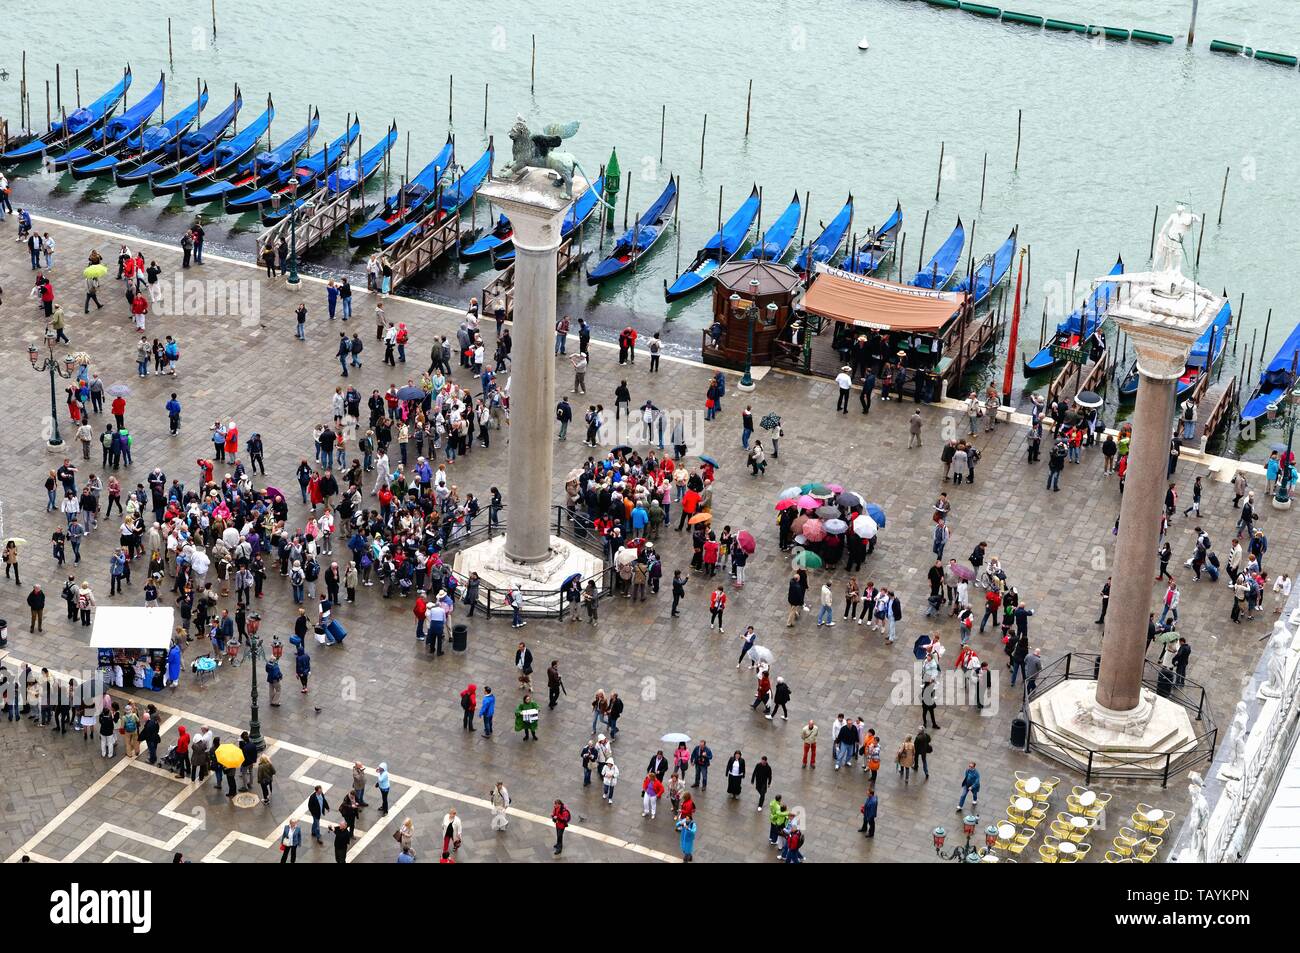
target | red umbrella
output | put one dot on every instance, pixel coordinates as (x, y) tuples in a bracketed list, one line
[(745, 541), (785, 504)]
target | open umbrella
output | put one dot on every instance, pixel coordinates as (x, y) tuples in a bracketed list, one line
[(770, 422), (836, 527), (1166, 637), (920, 647), (229, 756), (806, 560), (877, 514), (963, 572), (1087, 399), (711, 462), (790, 493), (851, 500), (1277, 447), (625, 557), (411, 392), (621, 448), (785, 504), (834, 487), (814, 531), (797, 525), (807, 502), (700, 518), (816, 489), (119, 390), (95, 271), (799, 540), (676, 737), (19, 541), (745, 540), (762, 653), (568, 580), (274, 493), (828, 512), (865, 526)]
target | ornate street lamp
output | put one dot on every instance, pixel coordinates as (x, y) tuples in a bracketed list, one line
[(966, 853), (1282, 499), (292, 277), (254, 653), (64, 369)]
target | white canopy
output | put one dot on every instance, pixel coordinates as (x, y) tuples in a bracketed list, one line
[(132, 627)]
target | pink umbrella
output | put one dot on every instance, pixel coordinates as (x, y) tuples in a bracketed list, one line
[(963, 572), (835, 486), (814, 531), (746, 541), (807, 502), (785, 504)]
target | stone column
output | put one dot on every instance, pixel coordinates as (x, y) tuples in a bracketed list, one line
[(536, 208), (1161, 361)]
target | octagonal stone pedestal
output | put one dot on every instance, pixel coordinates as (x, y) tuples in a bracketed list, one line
[(1138, 740), (539, 581)]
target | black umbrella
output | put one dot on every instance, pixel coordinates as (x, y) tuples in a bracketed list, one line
[(621, 448), (770, 422)]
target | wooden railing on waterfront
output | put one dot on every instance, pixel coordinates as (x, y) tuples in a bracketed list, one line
[(315, 224), (1214, 403), (424, 246), (500, 291), (1073, 378)]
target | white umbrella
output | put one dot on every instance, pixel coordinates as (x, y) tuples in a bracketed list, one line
[(676, 737), (865, 526), (790, 493), (762, 653), (624, 556)]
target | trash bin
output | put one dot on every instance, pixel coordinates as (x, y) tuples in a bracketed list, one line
[(4, 632), (459, 637), (1019, 731), (1165, 682)]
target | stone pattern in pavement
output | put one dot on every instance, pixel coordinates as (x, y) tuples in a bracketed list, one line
[(382, 698)]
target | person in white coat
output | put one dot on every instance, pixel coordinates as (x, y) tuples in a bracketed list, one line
[(451, 831), (609, 776), (500, 798)]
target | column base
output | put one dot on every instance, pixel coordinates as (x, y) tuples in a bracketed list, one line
[(539, 581), (56, 446), (1280, 504), (1073, 728)]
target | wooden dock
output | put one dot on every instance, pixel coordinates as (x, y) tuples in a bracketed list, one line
[(500, 292), (315, 224), (1074, 378), (423, 246), (1214, 406)]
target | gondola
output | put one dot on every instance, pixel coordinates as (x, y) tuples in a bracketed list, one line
[(1276, 380), (773, 244), (454, 196), (867, 258), (990, 272), (1078, 327), (252, 172), (1213, 339), (636, 242), (222, 160), (80, 123), (501, 237), (115, 133), (152, 141), (716, 251), (180, 153), (938, 270), (406, 203), (827, 244), (343, 178), (306, 176), (579, 212)]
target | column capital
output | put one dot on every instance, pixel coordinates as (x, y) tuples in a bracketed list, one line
[(535, 205), (1161, 353)]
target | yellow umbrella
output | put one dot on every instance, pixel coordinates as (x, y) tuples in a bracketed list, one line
[(700, 518), (229, 756)]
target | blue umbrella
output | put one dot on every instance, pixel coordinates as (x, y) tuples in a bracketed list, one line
[(711, 462), (877, 514)]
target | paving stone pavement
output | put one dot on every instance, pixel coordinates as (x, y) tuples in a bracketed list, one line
[(381, 698)]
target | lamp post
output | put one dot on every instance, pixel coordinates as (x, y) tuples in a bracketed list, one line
[(751, 314), (966, 853), (1282, 498), (64, 370), (254, 653), (293, 231)]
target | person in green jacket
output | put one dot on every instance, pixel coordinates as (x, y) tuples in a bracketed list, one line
[(777, 815), (526, 717)]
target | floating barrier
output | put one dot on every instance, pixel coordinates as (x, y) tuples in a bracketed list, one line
[(981, 10), (1109, 32), (1285, 59), (1148, 37), (1025, 19), (950, 4), (1065, 26), (1223, 46)]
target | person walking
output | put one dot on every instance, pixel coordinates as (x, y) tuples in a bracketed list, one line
[(290, 840), (905, 758), (970, 784), (36, 605), (560, 817), (914, 430), (761, 779), (701, 758), (717, 606), (777, 817), (923, 746), (609, 773), (265, 777), (317, 807), (342, 838), (870, 807), (487, 710), (500, 798)]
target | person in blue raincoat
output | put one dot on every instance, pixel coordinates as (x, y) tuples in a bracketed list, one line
[(687, 828), (173, 665)]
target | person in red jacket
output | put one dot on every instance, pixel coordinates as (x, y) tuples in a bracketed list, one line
[(232, 441), (139, 308), (183, 751), (119, 411), (560, 817), (420, 610), (717, 605), (652, 789), (205, 470)]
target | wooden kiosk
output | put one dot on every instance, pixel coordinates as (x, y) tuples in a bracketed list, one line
[(761, 292)]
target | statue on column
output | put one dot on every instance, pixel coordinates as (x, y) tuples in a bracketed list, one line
[(530, 151), (1168, 256), (1279, 655)]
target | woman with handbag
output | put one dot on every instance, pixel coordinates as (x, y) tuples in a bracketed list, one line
[(451, 831), (500, 798)]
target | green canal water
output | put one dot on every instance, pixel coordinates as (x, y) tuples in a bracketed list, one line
[(1110, 130)]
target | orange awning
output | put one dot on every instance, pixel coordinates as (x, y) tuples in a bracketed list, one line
[(883, 305)]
